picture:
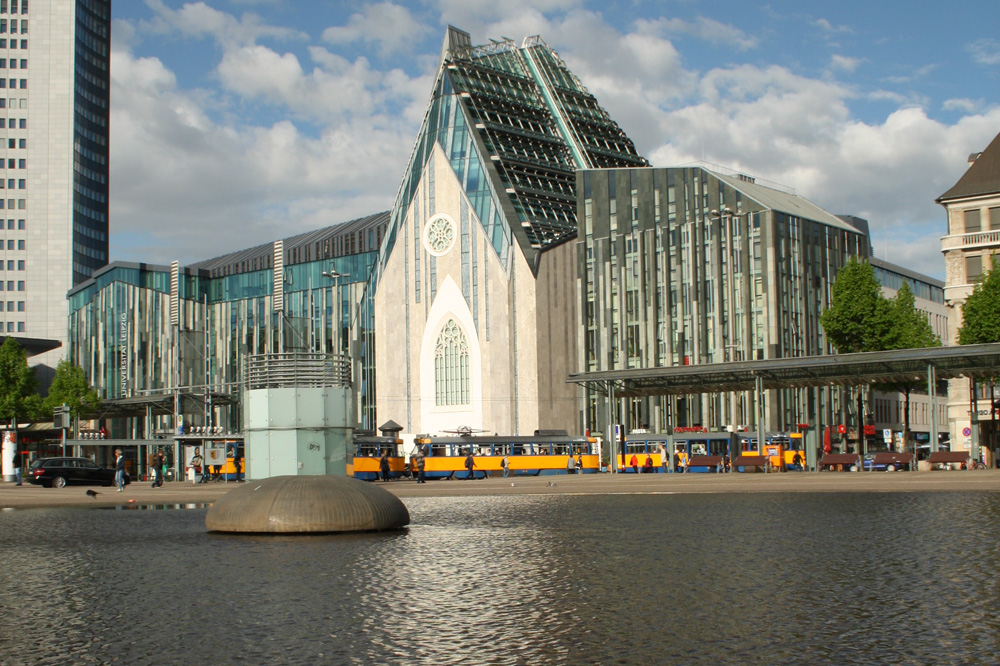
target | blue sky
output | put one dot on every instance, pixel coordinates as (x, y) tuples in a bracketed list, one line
[(237, 122)]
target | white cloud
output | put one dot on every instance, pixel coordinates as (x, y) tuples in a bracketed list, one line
[(709, 30), (392, 27), (825, 25), (844, 63), (985, 51), (963, 104), (199, 20)]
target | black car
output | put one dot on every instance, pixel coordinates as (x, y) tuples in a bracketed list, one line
[(57, 472)]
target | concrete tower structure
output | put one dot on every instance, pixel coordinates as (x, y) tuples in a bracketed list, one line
[(55, 56)]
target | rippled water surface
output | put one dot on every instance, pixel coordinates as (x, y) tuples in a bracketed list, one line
[(627, 579)]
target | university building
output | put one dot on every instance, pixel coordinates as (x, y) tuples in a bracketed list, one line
[(528, 240)]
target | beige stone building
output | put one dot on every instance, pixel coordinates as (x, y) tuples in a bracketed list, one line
[(972, 238)]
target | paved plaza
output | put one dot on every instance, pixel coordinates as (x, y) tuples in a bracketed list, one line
[(12, 496)]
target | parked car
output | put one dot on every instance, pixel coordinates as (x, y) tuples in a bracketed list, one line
[(57, 472)]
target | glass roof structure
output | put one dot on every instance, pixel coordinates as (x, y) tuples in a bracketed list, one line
[(515, 124), (977, 361)]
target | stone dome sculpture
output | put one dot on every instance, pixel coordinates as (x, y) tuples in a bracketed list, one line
[(306, 504)]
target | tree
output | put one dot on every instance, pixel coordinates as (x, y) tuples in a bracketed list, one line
[(18, 397), (859, 317), (69, 387), (908, 329)]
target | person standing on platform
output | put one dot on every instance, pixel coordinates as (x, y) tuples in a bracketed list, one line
[(470, 464), (197, 464), (505, 465), (677, 462), (18, 462), (420, 461), (634, 463), (161, 465), (647, 467), (664, 458), (383, 465)]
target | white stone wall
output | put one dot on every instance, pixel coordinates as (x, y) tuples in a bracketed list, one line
[(956, 246), (47, 104)]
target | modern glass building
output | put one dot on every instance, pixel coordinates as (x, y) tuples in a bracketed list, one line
[(474, 290), (166, 341), (693, 265)]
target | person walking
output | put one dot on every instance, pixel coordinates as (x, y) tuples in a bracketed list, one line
[(677, 462), (470, 465), (159, 469), (237, 459), (664, 458), (383, 465), (119, 470), (505, 466)]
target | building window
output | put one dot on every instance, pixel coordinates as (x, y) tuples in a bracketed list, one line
[(22, 163), (20, 224), (20, 244), (20, 327), (21, 183), (972, 223), (973, 268), (20, 306), (20, 265), (994, 218), (451, 366), (20, 285), (21, 143)]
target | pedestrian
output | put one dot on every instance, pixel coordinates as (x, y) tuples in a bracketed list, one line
[(579, 463), (383, 465), (634, 462), (237, 459), (197, 462), (119, 470), (677, 462), (155, 467), (421, 461), (647, 467), (664, 458), (505, 466), (684, 462), (797, 461), (18, 463), (470, 465)]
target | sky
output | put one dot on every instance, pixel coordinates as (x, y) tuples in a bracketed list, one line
[(239, 122)]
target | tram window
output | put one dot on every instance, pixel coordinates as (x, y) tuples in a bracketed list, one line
[(698, 449)]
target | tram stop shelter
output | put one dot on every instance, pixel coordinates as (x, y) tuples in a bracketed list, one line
[(929, 364)]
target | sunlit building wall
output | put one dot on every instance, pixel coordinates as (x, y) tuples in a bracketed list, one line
[(686, 266)]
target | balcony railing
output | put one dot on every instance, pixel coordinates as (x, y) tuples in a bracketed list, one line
[(297, 370), (971, 240)]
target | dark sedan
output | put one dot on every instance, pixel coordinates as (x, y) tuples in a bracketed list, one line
[(58, 472)]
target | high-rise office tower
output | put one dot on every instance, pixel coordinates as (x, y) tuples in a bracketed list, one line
[(54, 106)]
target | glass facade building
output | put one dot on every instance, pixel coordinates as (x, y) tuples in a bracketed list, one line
[(686, 266), (140, 331)]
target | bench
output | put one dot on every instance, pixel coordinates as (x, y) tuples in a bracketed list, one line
[(946, 457), (749, 461), (845, 460), (892, 458), (705, 461)]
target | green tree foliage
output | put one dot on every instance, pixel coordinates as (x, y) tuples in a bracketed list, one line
[(908, 326), (70, 388), (18, 397), (859, 317), (981, 310)]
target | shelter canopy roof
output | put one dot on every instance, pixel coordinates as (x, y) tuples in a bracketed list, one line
[(902, 365)]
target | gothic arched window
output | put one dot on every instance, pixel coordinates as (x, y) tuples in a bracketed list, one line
[(451, 366)]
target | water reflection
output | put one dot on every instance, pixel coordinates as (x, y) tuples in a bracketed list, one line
[(693, 579)]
